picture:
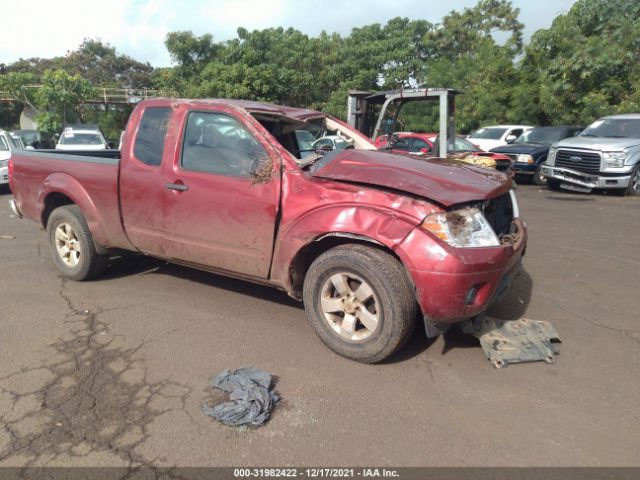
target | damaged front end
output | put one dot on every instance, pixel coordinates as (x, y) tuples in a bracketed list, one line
[(495, 223)]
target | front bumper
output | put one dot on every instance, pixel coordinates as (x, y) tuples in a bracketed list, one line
[(525, 168), (446, 277), (586, 180)]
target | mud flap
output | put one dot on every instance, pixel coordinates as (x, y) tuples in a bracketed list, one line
[(514, 341)]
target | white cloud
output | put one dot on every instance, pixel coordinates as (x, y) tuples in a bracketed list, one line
[(42, 28)]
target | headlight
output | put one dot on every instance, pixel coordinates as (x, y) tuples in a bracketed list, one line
[(4, 163), (613, 159), (462, 228), (551, 157), (524, 159)]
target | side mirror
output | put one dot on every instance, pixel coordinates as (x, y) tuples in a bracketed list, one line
[(424, 150), (111, 145), (511, 138)]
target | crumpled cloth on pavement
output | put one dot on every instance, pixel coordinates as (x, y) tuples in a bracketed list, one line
[(250, 397)]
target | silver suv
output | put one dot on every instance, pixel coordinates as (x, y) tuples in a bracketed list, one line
[(605, 155)]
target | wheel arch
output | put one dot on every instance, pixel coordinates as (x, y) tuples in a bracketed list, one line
[(61, 189), (309, 252), (52, 201)]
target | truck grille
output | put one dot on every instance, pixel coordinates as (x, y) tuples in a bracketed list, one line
[(585, 162), (499, 213)]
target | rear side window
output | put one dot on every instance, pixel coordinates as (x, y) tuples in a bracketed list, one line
[(149, 143)]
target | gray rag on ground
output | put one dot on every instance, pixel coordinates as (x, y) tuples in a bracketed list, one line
[(250, 397)]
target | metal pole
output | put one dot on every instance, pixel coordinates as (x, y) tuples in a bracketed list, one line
[(444, 120)]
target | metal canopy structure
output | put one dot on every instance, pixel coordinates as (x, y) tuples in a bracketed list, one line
[(108, 96), (363, 105)]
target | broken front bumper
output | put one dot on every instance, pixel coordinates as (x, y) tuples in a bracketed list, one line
[(586, 180), (454, 284)]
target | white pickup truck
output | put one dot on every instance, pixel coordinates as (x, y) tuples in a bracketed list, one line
[(606, 155)]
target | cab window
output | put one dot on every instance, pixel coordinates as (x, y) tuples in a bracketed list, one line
[(218, 143), (149, 145)]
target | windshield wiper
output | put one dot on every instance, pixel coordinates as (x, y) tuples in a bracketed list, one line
[(614, 136), (587, 135)]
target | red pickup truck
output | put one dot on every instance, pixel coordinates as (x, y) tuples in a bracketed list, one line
[(369, 240)]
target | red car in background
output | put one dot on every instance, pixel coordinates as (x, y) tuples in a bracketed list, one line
[(425, 144)]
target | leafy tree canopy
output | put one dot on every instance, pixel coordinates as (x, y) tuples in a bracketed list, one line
[(583, 66)]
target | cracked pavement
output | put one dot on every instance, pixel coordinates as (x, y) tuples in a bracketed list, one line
[(113, 372)]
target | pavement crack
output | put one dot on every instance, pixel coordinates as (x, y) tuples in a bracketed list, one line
[(96, 397), (631, 334)]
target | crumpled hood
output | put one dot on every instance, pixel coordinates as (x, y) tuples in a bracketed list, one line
[(443, 181), (604, 144)]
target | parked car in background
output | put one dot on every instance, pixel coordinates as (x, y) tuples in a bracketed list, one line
[(530, 150), (606, 155), (34, 139), (368, 240), (17, 141), (73, 139), (331, 142), (427, 144), (8, 144), (487, 138)]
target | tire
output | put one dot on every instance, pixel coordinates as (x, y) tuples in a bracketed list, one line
[(634, 183), (346, 289), (72, 245), (539, 178), (522, 179), (553, 184)]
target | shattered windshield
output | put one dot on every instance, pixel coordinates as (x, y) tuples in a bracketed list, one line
[(310, 140)]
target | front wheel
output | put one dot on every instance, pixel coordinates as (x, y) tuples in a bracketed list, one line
[(360, 302), (634, 182), (539, 178), (72, 246), (553, 184)]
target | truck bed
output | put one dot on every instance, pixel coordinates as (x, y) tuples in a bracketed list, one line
[(49, 178)]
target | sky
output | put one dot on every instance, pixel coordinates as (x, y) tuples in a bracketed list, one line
[(44, 28)]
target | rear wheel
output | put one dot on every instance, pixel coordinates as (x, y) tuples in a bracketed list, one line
[(360, 302), (72, 246)]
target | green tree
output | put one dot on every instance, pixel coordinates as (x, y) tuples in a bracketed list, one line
[(63, 98), (100, 64), (586, 64), (16, 86)]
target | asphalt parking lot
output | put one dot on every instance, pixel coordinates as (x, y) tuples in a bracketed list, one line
[(114, 371)]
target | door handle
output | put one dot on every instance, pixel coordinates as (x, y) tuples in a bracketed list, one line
[(180, 187)]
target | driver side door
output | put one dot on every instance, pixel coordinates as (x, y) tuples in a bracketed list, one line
[(223, 194)]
